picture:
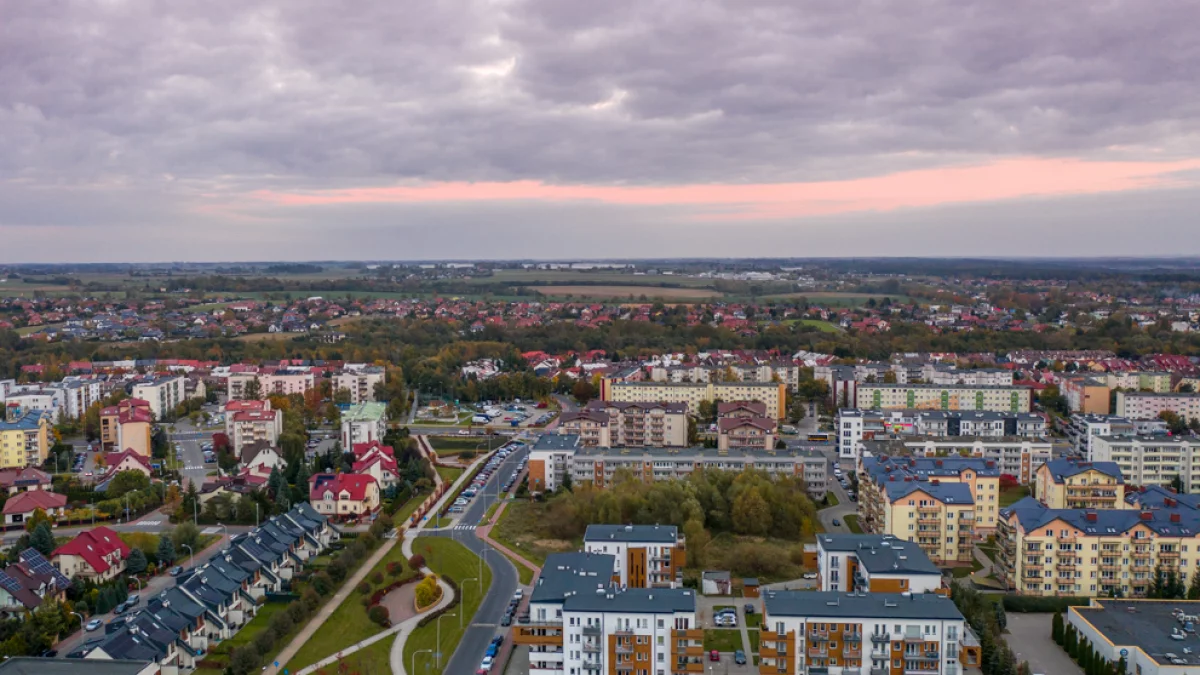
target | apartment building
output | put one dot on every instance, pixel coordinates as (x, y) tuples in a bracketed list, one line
[(831, 632), (785, 372), (1152, 460), (1017, 457), (1082, 428), (774, 395), (1090, 553), (272, 381), (252, 422), (364, 423), (843, 383), (24, 437), (874, 563), (746, 433), (164, 394), (940, 503), (1147, 643), (78, 395), (39, 398), (580, 622), (854, 426), (1138, 405), (360, 381), (608, 424), (553, 455), (877, 396), (645, 556), (1080, 484), (127, 426), (1086, 395), (942, 374), (1157, 382)]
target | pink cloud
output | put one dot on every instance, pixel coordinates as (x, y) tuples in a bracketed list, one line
[(1006, 179)]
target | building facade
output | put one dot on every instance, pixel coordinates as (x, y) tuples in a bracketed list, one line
[(1017, 457), (1152, 460), (774, 395), (855, 425), (645, 556), (364, 423), (609, 424), (877, 396), (360, 382), (874, 563), (1137, 405), (1075, 484), (163, 394), (24, 437)]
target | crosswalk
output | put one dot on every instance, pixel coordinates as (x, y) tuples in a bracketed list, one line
[(464, 527), (210, 530), (194, 467), (148, 523)]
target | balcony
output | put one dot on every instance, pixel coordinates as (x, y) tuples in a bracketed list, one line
[(880, 639), (1168, 555), (1069, 539), (592, 630), (818, 651), (591, 648), (690, 634)]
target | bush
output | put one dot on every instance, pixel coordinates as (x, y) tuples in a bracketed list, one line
[(395, 568), (417, 561), (311, 600), (1022, 603), (323, 582), (264, 641), (377, 578), (336, 570), (282, 624), (426, 592), (379, 615), (363, 587), (466, 455), (244, 660), (296, 611), (430, 617)]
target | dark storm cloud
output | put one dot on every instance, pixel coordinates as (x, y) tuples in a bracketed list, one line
[(169, 107)]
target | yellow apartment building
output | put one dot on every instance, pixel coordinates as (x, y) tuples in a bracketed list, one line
[(1079, 484)]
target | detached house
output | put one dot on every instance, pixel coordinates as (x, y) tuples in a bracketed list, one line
[(344, 495), (22, 506), (377, 461), (98, 555)]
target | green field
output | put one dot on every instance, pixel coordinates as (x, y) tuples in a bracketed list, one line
[(1013, 495), (837, 298), (590, 277), (823, 326), (518, 529), (452, 445), (722, 640), (447, 557), (852, 523)]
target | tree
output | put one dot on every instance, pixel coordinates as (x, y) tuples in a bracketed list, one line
[(275, 483), (126, 481), (1001, 617), (583, 391), (302, 479), (1122, 666), (39, 517), (1056, 628), (1177, 484), (136, 562), (706, 411), (185, 534), (751, 513), (166, 551), (566, 482), (1193, 591), (42, 539), (252, 391), (1175, 424)]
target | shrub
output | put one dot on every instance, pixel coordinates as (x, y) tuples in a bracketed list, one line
[(264, 641), (323, 582), (296, 611), (335, 571), (426, 591), (395, 568), (363, 587), (466, 455), (311, 599), (1022, 603), (379, 615), (244, 660), (282, 624), (417, 561), (377, 578)]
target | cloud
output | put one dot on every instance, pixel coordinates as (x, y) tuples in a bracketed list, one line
[(737, 111)]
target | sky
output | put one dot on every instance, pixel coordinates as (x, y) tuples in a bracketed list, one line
[(226, 130)]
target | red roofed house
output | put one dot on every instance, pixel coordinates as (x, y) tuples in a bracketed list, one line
[(123, 461), (377, 461), (97, 554), (21, 506), (127, 425), (13, 481), (347, 495)]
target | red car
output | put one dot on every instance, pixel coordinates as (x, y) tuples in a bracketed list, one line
[(714, 655)]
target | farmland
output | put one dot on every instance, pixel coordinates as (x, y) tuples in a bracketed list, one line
[(629, 291)]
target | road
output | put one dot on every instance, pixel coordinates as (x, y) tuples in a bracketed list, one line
[(844, 508), (189, 439), (486, 623), (154, 586)]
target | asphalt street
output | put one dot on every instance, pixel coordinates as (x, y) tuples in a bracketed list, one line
[(486, 623)]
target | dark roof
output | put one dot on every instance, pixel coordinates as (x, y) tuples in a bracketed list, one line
[(947, 493), (634, 601), (1144, 624), (556, 442), (1061, 469), (832, 604), (28, 665), (643, 534), (577, 572), (880, 554), (1165, 521)]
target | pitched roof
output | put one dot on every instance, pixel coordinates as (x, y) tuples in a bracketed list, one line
[(649, 534), (355, 484), (94, 546), (726, 424), (27, 502), (832, 604), (1061, 469)]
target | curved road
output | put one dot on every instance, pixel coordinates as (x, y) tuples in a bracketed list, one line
[(486, 623)]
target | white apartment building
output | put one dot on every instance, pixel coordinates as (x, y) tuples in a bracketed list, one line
[(164, 394), (1138, 405), (774, 395), (945, 375), (39, 398), (78, 396), (360, 381), (363, 423), (1152, 460), (253, 426), (854, 426), (874, 563), (644, 556), (831, 632), (878, 396)]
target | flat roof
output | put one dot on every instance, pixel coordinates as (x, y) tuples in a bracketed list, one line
[(634, 601), (651, 534), (831, 604), (881, 554), (1145, 624), (567, 573)]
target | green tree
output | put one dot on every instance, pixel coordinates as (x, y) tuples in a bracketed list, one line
[(136, 562), (126, 481), (42, 539), (1193, 591), (252, 391), (302, 479), (185, 534), (1056, 628), (751, 513), (39, 517), (166, 551)]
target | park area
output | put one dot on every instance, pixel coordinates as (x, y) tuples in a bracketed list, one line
[(451, 560)]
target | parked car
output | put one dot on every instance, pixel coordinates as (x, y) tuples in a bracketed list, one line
[(487, 663), (506, 620), (749, 608), (714, 655), (739, 657), (176, 571), (837, 523), (810, 575), (94, 624)]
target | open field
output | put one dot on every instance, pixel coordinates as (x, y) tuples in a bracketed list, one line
[(518, 529), (626, 291), (838, 299), (823, 326), (587, 276), (266, 337), (452, 445)]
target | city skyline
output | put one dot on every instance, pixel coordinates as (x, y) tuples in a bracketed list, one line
[(536, 130)]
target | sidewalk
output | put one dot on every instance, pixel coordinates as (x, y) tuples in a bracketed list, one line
[(328, 609), (484, 532)]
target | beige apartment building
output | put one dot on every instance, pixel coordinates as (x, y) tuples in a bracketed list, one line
[(774, 395), (882, 396), (1078, 484), (1138, 405), (360, 382), (607, 424)]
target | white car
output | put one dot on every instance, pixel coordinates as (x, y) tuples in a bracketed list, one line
[(486, 664)]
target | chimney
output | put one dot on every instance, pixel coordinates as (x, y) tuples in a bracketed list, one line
[(1146, 515), (1175, 518), (1169, 501), (1092, 516)]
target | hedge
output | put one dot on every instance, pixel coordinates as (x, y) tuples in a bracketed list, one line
[(378, 595), (432, 616), (1023, 603)]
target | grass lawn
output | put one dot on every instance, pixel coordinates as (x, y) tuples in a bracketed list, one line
[(831, 499), (372, 660), (452, 445), (753, 621), (754, 637), (823, 326), (441, 521), (487, 517), (447, 557), (348, 624), (406, 510), (963, 572), (852, 523), (449, 473), (1013, 495), (766, 558), (220, 652), (722, 640), (519, 529)]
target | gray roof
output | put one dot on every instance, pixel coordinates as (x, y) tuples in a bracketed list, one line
[(556, 442), (564, 573), (646, 534), (867, 606), (881, 554), (715, 575), (1061, 469), (1146, 624), (634, 601), (947, 493), (28, 665), (1167, 521)]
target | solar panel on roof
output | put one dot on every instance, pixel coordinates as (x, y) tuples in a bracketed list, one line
[(39, 565), (9, 584)]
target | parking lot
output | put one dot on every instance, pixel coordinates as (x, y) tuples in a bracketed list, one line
[(494, 464), (1029, 637)]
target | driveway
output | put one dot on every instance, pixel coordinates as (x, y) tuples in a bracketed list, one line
[(1029, 637)]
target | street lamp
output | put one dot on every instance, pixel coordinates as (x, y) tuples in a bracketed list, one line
[(412, 662), (80, 618), (191, 554), (463, 586), (140, 584), (438, 655)]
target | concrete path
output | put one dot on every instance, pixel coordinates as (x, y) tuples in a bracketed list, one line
[(324, 613), (484, 532)]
